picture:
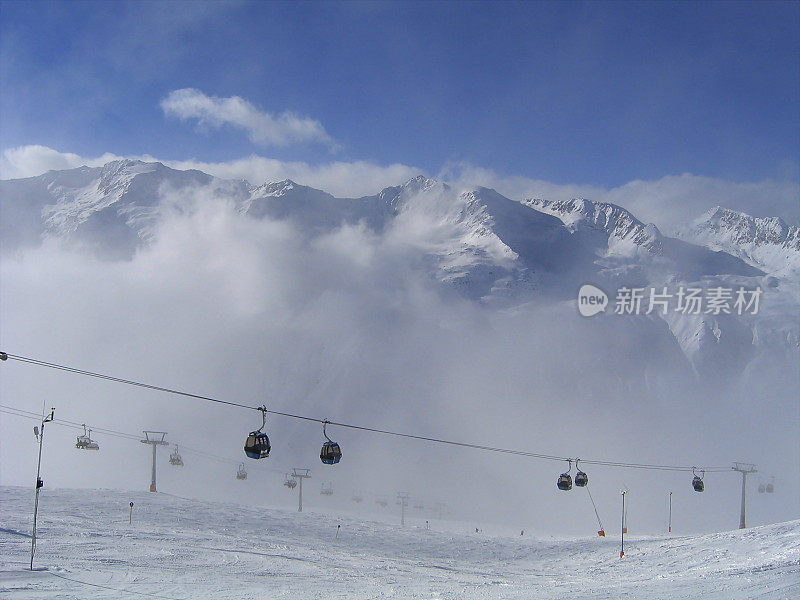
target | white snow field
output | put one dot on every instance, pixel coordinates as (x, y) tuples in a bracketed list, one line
[(186, 548)]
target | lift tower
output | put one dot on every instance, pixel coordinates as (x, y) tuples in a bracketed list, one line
[(744, 469), (301, 474), (151, 437), (402, 500)]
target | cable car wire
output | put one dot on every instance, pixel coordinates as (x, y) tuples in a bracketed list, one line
[(11, 410), (24, 359)]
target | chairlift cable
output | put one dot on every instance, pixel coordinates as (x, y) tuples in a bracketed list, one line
[(109, 432), (264, 410)]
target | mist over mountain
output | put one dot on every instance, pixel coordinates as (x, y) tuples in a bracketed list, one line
[(415, 308), (476, 243)]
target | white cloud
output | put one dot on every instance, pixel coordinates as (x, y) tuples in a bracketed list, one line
[(261, 127), (342, 179), (32, 160), (466, 175)]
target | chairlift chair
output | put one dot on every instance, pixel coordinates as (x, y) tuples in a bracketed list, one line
[(770, 487), (331, 453), (257, 444), (762, 488), (85, 442), (175, 458), (327, 490), (290, 482), (241, 474)]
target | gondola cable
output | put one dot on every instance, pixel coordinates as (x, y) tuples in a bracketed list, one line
[(6, 356)]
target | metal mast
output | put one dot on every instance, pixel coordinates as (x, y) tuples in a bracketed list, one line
[(744, 469), (151, 437), (39, 482), (402, 500), (301, 474)]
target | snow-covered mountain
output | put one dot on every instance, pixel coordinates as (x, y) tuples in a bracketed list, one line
[(476, 242), (624, 231), (764, 242), (110, 209)]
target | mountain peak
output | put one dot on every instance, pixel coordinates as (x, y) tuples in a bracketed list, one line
[(278, 188), (744, 223), (616, 222), (420, 183), (765, 242)]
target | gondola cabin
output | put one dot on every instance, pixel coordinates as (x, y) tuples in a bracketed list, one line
[(330, 453), (581, 479), (564, 482), (257, 445), (698, 484)]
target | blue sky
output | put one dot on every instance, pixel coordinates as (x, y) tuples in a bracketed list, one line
[(595, 94)]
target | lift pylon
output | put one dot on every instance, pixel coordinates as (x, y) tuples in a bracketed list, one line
[(155, 439)]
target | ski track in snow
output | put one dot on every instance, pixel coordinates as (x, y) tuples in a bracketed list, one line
[(180, 549)]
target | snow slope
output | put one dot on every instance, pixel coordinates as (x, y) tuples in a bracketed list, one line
[(182, 548)]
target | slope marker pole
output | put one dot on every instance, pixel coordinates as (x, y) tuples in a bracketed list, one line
[(669, 527), (622, 541)]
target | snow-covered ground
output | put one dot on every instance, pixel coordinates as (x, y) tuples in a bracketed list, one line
[(187, 548)]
